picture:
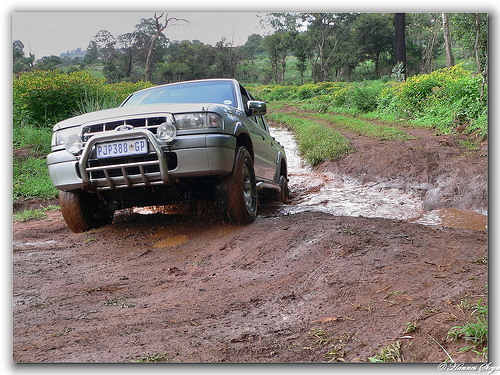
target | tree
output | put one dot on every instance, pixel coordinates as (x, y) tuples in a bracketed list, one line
[(19, 61), (301, 52), (252, 46), (92, 53), (159, 28), (105, 43), (400, 42), (277, 49), (280, 42), (424, 41), (326, 33), (471, 32), (374, 35), (450, 61), (48, 63), (130, 50), (226, 59)]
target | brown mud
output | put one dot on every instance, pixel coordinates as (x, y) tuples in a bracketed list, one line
[(305, 287)]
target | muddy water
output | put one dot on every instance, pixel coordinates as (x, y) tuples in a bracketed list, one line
[(330, 193)]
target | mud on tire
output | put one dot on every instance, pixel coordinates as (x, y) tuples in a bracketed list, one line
[(237, 193), (83, 211)]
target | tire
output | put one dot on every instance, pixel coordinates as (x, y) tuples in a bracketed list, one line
[(237, 193), (83, 211), (284, 193)]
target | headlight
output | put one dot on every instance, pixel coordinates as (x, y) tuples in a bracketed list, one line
[(59, 136), (73, 144), (187, 121), (166, 132)]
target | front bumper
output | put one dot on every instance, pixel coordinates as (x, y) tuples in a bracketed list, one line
[(197, 155)]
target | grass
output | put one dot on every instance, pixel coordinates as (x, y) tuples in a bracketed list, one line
[(317, 142), (31, 179), (475, 331), (30, 176), (365, 128), (390, 353), (37, 214), (155, 357), (115, 301)]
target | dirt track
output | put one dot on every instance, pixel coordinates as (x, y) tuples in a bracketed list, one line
[(308, 287)]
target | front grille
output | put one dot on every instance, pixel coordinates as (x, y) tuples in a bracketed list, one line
[(149, 123)]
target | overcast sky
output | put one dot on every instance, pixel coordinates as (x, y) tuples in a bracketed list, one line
[(58, 26), (46, 33)]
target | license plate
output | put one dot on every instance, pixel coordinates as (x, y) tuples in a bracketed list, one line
[(122, 148)]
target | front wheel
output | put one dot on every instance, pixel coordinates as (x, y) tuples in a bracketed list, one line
[(237, 193), (83, 211), (284, 193)]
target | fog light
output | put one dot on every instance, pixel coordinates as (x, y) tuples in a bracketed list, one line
[(166, 132), (73, 144)]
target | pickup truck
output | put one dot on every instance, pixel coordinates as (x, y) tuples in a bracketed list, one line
[(203, 140)]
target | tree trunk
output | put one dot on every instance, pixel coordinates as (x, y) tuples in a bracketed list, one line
[(450, 61), (478, 60), (399, 40)]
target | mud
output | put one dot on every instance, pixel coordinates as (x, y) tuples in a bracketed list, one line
[(308, 286)]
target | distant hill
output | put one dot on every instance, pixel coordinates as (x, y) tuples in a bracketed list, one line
[(74, 53)]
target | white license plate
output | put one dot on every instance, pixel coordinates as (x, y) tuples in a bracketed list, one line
[(121, 148)]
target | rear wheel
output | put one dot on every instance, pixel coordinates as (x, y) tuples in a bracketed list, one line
[(237, 193), (83, 211)]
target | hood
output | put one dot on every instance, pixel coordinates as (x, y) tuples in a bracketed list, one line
[(107, 115)]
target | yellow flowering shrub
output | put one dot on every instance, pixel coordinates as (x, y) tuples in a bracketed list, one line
[(46, 97)]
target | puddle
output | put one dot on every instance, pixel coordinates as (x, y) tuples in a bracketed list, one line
[(454, 218), (343, 196), (171, 241)]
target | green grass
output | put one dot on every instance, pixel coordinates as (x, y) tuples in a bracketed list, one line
[(151, 358), (31, 179), (363, 127), (317, 142), (36, 138), (390, 353), (37, 214), (475, 331)]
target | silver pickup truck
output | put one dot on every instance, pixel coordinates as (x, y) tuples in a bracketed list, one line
[(203, 140)]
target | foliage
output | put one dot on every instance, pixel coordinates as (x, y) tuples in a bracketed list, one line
[(443, 99), (37, 214), (475, 330), (391, 353), (46, 97), (50, 96), (32, 137), (31, 179)]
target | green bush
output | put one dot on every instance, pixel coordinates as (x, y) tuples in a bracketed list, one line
[(46, 97), (364, 97), (443, 99)]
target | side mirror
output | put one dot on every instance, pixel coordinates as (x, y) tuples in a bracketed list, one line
[(257, 108)]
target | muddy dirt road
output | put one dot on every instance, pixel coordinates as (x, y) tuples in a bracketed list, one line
[(298, 285)]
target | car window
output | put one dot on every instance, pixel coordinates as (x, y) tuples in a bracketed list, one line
[(190, 92), (260, 121)]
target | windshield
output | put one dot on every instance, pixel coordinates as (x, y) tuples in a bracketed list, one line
[(220, 92)]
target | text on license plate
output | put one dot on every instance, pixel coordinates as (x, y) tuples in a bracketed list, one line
[(122, 148)]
